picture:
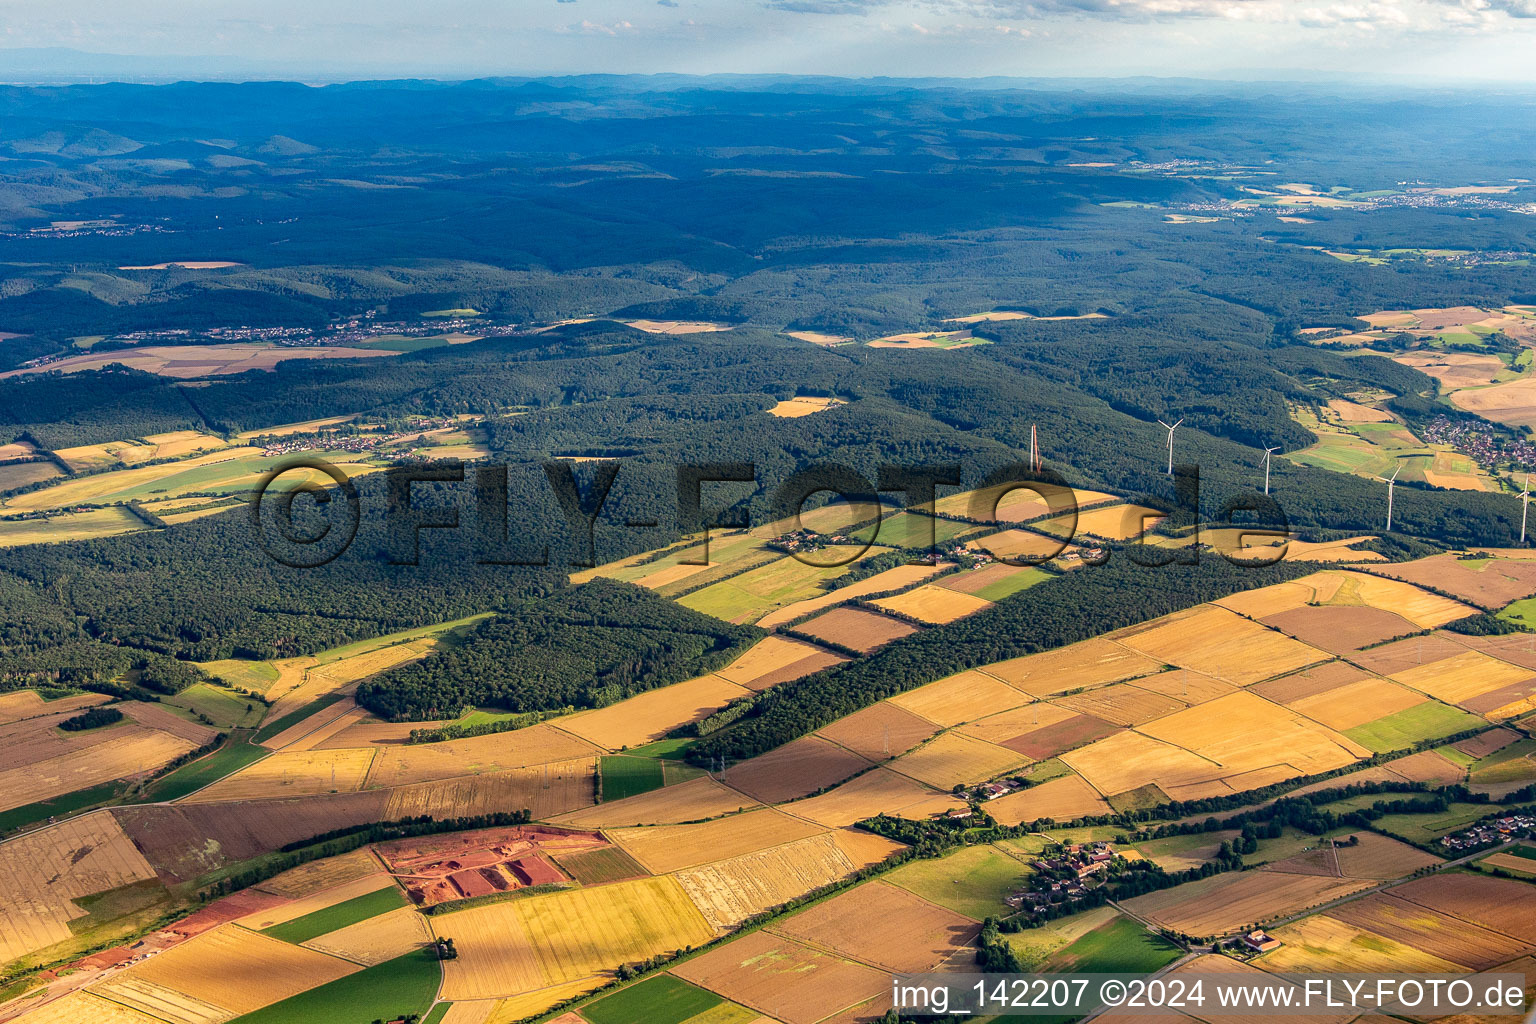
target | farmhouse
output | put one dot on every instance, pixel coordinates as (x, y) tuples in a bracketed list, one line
[(1261, 942)]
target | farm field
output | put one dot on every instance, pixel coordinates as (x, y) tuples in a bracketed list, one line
[(693, 800), (1112, 522), (796, 769), (297, 773), (934, 605), (973, 881), (793, 408), (959, 698), (1222, 644), (879, 731), (856, 629), (778, 659), (1486, 582), (663, 999), (667, 848), (784, 979), (899, 578), (649, 716), (749, 596), (1400, 730), (954, 759), (375, 940), (1222, 904), (88, 525), (405, 984), (994, 582), (915, 935), (1119, 944), (874, 792), (201, 360)]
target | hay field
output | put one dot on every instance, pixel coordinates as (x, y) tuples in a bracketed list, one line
[(934, 605), (964, 697), (21, 474), (1512, 403), (85, 1008), (1113, 522), (1355, 704), (42, 872), (914, 934), (730, 891), (874, 792), (794, 408), (899, 578), (665, 848), (1223, 644), (1420, 607), (1088, 663), (317, 875), (220, 974), (1321, 943), (750, 595), (1122, 703), (693, 800), (1128, 760), (649, 716), (313, 730), (377, 939), (88, 525), (777, 659), (955, 759), (404, 764), (186, 361), (1224, 903), (175, 444), (1012, 503), (794, 770), (545, 790), (288, 774), (857, 629), (784, 979), (1461, 677), (1430, 931), (879, 731), (1242, 732), (21, 704), (1063, 799), (122, 752), (513, 947)]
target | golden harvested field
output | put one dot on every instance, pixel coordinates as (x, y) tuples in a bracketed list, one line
[(1512, 403), (665, 848), (117, 484), (404, 764), (693, 800), (953, 759), (1321, 943), (960, 698), (934, 605), (819, 338), (285, 774), (1088, 663), (85, 1008), (1310, 682), (730, 891), (796, 407), (1488, 583), (1461, 677), (313, 730), (787, 980), (173, 445), (1428, 766), (1122, 704), (1281, 597), (545, 790), (220, 974), (1357, 703), (677, 326), (358, 885), (1011, 503), (1223, 644), (794, 770), (528, 1004), (377, 939), (873, 792), (777, 659), (1113, 522), (307, 879), (1340, 630), (1223, 903), (89, 525), (23, 743), (20, 704), (651, 715), (1128, 760), (1006, 726), (1412, 652), (879, 731), (1189, 687), (124, 751), (200, 360), (1063, 799), (42, 872), (914, 935), (1242, 732), (513, 947), (1429, 931), (154, 716), (857, 629), (899, 578), (1419, 607), (306, 679)]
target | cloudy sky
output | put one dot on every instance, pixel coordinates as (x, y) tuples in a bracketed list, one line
[(1424, 40)]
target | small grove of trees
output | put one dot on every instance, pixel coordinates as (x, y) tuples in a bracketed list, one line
[(94, 718)]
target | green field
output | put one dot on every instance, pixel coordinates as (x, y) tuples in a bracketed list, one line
[(236, 753), (623, 775), (438, 1013), (1425, 828), (1010, 585), (973, 881), (252, 675), (323, 922), (1120, 945), (1426, 721), (59, 806), (663, 748), (1521, 612), (749, 596), (276, 726), (227, 710), (1515, 763), (406, 984), (659, 1000)]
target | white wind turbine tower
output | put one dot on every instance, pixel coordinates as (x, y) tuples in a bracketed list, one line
[(1391, 486), (1267, 453), (1034, 447), (1171, 429), (1525, 506)]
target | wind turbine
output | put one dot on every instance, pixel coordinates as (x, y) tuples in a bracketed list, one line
[(1391, 486), (1034, 448), (1267, 453), (1171, 429), (1525, 506)]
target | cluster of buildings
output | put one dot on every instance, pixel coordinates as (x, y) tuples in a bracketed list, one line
[(797, 541), (1480, 443), (355, 443), (1066, 877), (82, 229), (1491, 833)]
